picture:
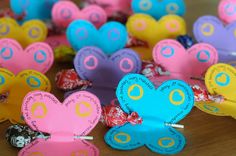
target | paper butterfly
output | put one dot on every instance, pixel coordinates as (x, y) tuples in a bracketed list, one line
[(158, 9), (111, 37), (65, 122), (33, 9), (30, 32), (114, 6), (64, 12), (14, 88), (227, 11), (105, 72), (146, 28), (220, 79), (38, 56), (210, 29), (187, 65), (170, 103)]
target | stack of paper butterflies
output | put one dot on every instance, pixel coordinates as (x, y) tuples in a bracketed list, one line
[(134, 68)]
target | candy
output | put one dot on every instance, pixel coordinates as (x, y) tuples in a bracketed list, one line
[(186, 41)]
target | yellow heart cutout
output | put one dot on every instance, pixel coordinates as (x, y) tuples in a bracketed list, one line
[(16, 88), (30, 32), (146, 28), (220, 79)]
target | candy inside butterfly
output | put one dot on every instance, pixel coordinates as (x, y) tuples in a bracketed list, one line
[(67, 123), (158, 108), (14, 88)]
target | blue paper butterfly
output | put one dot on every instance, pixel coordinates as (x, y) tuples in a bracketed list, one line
[(111, 37), (33, 9), (170, 103), (157, 9)]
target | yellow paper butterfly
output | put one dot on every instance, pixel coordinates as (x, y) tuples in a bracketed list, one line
[(13, 90), (220, 79), (146, 28), (30, 32)]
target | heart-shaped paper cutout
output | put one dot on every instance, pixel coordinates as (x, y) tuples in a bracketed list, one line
[(37, 56), (105, 72), (82, 33), (65, 122), (64, 12), (209, 29), (30, 32), (32, 9), (16, 87), (169, 103), (227, 10), (146, 28), (188, 65), (158, 9), (220, 80)]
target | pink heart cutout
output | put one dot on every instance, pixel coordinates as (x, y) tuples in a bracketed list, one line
[(38, 56), (64, 12), (184, 64)]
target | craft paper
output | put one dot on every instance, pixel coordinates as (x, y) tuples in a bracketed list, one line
[(187, 65), (64, 12), (111, 37), (38, 56), (146, 28), (220, 80), (114, 6), (105, 72), (210, 29), (158, 9), (227, 10), (14, 88), (30, 32), (170, 103), (33, 9), (75, 117)]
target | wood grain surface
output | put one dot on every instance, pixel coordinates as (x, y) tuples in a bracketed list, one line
[(206, 135)]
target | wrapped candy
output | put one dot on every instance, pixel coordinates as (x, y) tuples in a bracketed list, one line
[(186, 41)]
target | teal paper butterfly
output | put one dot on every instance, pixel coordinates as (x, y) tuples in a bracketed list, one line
[(111, 37), (158, 108)]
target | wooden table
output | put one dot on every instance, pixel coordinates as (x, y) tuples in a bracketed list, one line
[(206, 135)]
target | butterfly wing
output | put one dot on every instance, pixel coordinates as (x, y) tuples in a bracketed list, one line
[(49, 148), (137, 94), (9, 28), (194, 61), (38, 56), (164, 7), (24, 82), (6, 80), (209, 29), (220, 80)]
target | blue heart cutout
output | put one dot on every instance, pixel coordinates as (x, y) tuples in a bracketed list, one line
[(111, 37)]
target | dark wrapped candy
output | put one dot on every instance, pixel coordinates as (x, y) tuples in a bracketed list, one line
[(19, 136), (186, 41)]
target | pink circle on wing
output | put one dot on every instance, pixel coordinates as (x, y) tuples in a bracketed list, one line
[(126, 65), (91, 62)]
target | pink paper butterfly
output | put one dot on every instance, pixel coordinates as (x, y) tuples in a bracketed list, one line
[(64, 12), (37, 56), (66, 123), (188, 65)]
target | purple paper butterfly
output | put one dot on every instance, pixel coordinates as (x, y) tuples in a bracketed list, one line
[(105, 72), (210, 29)]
